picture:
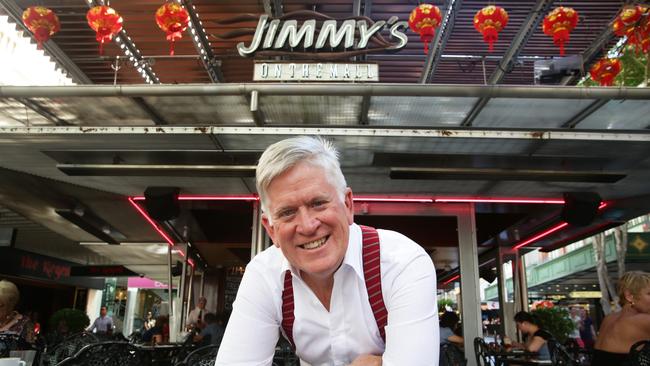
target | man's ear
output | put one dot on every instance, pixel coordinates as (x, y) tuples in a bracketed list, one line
[(349, 205), (269, 229)]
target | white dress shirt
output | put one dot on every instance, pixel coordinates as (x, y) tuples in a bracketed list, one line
[(349, 329), (195, 315)]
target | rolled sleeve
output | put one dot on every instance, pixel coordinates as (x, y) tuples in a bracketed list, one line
[(412, 334)]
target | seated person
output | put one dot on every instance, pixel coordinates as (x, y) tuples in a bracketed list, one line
[(12, 322), (156, 334), (622, 329), (448, 323), (536, 338), (212, 333)]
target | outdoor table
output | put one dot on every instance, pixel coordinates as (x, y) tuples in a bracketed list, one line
[(518, 357)]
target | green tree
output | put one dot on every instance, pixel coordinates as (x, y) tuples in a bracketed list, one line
[(72, 320), (556, 321)]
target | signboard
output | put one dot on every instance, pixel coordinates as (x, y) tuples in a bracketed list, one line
[(101, 271), (638, 247), (144, 282), (349, 38), (282, 71)]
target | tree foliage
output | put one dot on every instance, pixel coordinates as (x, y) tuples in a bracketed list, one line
[(556, 321), (75, 320)]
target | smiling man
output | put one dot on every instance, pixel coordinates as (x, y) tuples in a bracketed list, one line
[(340, 293)]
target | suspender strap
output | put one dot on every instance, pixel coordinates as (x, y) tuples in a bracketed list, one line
[(287, 309), (371, 274)]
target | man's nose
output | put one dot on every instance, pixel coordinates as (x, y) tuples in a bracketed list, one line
[(307, 222)]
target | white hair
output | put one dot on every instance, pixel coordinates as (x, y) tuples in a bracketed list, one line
[(285, 154), (9, 294)]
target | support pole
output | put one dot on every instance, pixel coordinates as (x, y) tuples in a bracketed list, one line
[(469, 281)]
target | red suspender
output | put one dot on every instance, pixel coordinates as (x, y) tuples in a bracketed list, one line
[(371, 274), (287, 309)]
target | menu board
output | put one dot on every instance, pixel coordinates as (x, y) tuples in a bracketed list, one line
[(233, 279)]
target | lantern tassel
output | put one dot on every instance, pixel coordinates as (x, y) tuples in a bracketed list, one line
[(171, 48), (101, 47)]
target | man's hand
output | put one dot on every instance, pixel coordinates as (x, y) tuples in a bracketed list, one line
[(367, 360)]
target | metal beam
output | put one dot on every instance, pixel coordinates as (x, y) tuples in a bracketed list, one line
[(535, 16), (273, 8), (365, 107), (40, 109), (338, 89), (357, 131), (440, 41), (590, 109), (200, 39), (150, 111)]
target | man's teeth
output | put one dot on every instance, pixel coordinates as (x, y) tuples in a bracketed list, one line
[(314, 244)]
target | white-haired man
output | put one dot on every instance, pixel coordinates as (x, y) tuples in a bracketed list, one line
[(341, 294)]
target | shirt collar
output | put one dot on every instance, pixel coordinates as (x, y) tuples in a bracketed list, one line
[(352, 257)]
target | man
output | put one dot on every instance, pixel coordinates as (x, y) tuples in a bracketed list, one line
[(314, 284), (103, 324), (195, 318), (212, 333)]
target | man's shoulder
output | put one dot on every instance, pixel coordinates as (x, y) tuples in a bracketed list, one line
[(271, 259)]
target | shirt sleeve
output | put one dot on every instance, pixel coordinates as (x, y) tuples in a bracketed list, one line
[(412, 332), (253, 328)]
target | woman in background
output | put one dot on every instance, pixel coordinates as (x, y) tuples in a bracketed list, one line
[(448, 322), (536, 337), (622, 329), (12, 322)]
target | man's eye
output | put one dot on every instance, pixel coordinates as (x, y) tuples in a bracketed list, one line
[(318, 203), (285, 213)]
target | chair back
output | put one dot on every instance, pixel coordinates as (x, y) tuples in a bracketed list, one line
[(110, 353), (67, 348), (559, 354), (204, 356), (451, 355), (484, 356), (640, 353)]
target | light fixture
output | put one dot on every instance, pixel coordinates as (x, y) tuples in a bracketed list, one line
[(541, 235)]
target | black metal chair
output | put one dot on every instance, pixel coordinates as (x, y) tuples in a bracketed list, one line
[(204, 356), (451, 355), (484, 355), (640, 353), (559, 354), (110, 353), (67, 348)]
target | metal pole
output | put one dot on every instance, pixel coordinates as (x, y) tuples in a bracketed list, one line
[(469, 280), (186, 313), (169, 280), (394, 90)]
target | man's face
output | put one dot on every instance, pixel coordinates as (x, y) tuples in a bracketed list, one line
[(102, 311), (202, 303), (308, 221)]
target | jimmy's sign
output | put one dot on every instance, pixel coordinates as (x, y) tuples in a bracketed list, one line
[(331, 40)]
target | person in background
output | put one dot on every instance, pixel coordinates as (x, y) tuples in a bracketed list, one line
[(12, 322), (103, 324), (576, 319), (213, 331), (587, 332), (196, 317), (536, 338), (312, 284), (149, 321), (159, 333), (620, 330), (448, 323)]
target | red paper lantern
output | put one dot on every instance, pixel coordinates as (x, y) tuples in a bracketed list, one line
[(42, 22), (631, 24), (172, 18), (605, 70), (424, 20), (106, 22), (558, 24), (489, 21)]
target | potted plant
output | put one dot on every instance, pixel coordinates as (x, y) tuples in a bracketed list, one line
[(555, 320)]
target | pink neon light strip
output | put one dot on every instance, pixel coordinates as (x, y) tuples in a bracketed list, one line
[(191, 262), (542, 234), (151, 222), (451, 280), (500, 200), (602, 205), (392, 199)]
